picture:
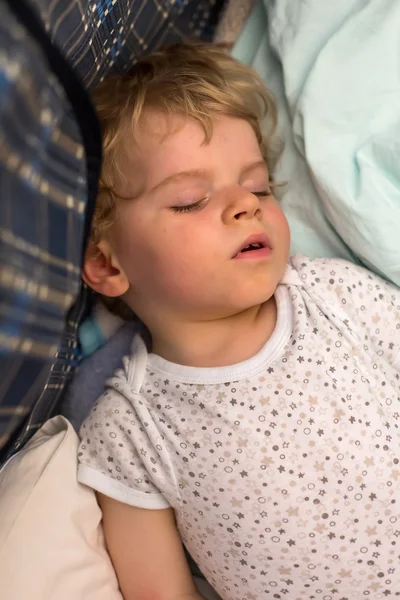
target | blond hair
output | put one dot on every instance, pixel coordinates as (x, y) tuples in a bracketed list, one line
[(197, 81)]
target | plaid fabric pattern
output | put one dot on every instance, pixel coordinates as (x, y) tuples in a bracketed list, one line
[(45, 183), (104, 36)]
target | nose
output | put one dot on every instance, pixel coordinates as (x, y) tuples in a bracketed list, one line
[(241, 204)]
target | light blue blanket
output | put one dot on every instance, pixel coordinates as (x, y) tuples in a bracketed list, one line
[(335, 70)]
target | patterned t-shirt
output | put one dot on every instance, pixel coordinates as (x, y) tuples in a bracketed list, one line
[(283, 470)]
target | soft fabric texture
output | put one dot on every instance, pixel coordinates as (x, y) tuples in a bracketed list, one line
[(232, 21), (335, 70), (288, 457), (51, 540), (97, 328), (88, 383)]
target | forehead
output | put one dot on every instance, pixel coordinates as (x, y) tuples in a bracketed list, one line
[(165, 145)]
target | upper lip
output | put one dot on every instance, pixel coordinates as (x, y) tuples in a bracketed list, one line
[(256, 238)]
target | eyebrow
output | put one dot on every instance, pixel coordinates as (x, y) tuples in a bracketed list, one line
[(203, 174)]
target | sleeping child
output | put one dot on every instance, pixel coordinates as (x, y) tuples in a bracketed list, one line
[(257, 416)]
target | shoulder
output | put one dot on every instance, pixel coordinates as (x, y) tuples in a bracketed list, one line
[(123, 389), (329, 271), (129, 378), (358, 291), (341, 277)]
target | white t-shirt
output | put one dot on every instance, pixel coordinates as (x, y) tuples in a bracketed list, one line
[(283, 470)]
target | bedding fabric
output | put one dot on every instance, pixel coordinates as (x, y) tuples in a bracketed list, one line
[(335, 69), (51, 540)]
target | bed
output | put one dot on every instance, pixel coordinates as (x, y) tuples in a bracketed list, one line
[(335, 70)]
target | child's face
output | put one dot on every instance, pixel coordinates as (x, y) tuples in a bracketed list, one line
[(178, 241)]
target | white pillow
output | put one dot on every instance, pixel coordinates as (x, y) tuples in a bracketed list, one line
[(51, 540)]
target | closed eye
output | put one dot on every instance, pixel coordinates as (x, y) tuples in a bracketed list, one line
[(189, 207), (263, 193)]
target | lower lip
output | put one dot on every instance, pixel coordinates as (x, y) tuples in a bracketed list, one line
[(254, 254)]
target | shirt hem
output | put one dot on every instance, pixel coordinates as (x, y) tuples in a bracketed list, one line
[(118, 491)]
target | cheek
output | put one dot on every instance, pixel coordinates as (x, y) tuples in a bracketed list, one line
[(178, 254), (276, 217), (131, 243), (184, 261), (178, 271), (157, 256)]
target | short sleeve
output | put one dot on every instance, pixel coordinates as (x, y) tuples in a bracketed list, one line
[(116, 455), (371, 304)]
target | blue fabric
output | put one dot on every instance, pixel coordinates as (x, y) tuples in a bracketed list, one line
[(90, 336), (89, 380), (48, 166)]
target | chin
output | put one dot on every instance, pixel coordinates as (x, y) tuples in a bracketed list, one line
[(260, 292)]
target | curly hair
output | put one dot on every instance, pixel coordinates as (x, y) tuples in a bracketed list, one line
[(198, 81)]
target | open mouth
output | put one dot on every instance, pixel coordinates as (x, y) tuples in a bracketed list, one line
[(256, 245), (252, 247)]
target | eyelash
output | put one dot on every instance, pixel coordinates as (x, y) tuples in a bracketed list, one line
[(197, 205), (263, 194), (189, 207)]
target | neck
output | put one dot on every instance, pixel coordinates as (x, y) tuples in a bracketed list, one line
[(219, 342)]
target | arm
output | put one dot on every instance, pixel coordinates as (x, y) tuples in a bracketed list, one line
[(146, 552)]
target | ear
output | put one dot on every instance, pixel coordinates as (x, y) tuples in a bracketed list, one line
[(102, 271)]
